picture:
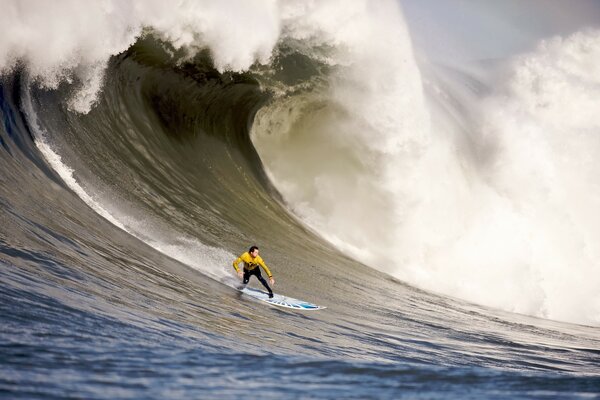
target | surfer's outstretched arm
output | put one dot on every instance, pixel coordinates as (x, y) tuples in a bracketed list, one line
[(269, 274), (235, 265)]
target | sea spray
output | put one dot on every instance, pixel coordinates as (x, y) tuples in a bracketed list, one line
[(497, 206)]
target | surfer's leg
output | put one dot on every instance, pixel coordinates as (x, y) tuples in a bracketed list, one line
[(246, 276), (263, 281)]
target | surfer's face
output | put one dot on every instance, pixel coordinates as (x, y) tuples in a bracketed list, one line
[(254, 253)]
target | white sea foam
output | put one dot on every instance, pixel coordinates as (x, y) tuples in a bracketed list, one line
[(68, 39), (501, 209), (512, 220)]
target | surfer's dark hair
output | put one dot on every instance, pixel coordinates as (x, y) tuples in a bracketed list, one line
[(252, 248)]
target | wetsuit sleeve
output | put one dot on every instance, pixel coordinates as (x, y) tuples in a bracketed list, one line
[(264, 266), (236, 262)]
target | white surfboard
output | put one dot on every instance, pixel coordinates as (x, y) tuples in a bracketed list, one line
[(281, 301)]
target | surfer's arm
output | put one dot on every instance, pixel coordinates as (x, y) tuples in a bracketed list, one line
[(235, 264), (264, 266)]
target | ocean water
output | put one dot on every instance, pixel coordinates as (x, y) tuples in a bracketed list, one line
[(442, 205)]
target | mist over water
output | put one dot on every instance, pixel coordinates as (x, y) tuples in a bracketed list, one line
[(483, 191)]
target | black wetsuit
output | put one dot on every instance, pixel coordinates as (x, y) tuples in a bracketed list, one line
[(256, 272)]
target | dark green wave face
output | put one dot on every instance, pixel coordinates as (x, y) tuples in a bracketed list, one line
[(167, 152), (172, 138)]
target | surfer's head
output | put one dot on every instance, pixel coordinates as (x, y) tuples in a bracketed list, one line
[(253, 251)]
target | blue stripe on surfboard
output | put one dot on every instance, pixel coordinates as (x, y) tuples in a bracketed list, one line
[(279, 300)]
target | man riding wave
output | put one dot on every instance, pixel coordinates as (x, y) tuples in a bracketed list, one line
[(252, 261)]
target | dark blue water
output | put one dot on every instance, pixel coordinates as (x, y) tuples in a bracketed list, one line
[(51, 350)]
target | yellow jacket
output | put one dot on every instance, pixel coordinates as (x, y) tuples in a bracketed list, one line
[(251, 263)]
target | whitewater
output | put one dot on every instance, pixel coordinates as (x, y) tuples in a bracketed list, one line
[(426, 172)]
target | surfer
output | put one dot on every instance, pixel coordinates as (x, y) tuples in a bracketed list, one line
[(252, 261)]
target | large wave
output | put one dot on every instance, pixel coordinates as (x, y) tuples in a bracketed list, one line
[(487, 195)]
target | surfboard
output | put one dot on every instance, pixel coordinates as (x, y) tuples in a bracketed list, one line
[(281, 301)]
